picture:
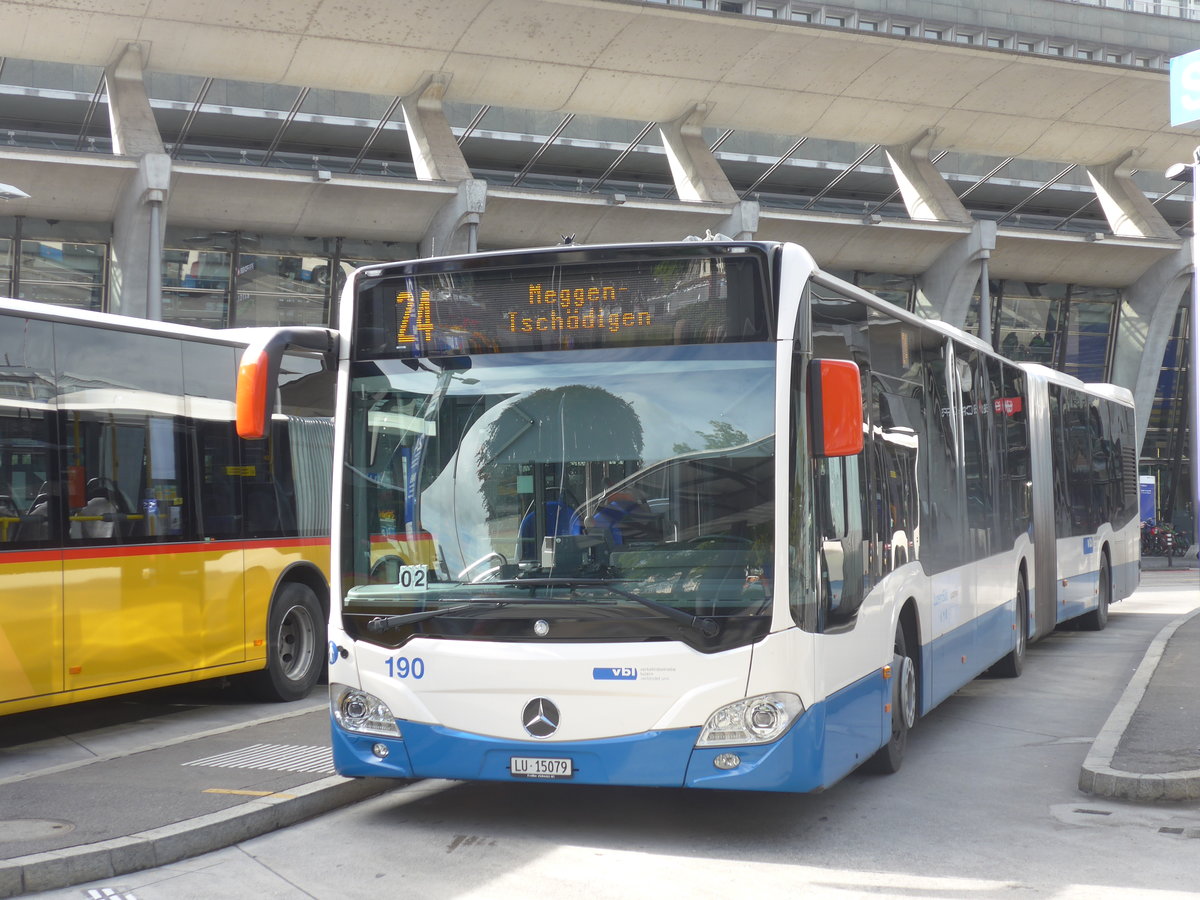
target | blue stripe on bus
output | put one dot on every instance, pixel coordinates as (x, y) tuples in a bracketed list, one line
[(960, 655), (1077, 596), (652, 759)]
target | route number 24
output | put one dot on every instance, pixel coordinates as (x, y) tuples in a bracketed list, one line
[(414, 308)]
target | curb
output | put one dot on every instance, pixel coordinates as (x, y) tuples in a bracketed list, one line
[(1099, 777), (192, 837)]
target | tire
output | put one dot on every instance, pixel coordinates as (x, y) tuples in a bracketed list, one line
[(888, 758), (1098, 617), (1011, 665), (295, 645)]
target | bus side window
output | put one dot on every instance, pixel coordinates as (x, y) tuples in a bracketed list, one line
[(124, 435), (840, 494), (209, 376)]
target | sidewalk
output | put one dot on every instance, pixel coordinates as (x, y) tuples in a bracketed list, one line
[(1149, 749), (87, 821)]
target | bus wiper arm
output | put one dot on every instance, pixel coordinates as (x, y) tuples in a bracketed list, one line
[(380, 624), (706, 627)]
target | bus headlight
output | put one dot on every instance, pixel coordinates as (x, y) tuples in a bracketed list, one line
[(359, 711), (755, 720)]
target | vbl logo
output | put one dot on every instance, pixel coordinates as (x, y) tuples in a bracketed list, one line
[(614, 673)]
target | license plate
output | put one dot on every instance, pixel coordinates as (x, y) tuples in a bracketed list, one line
[(540, 767)]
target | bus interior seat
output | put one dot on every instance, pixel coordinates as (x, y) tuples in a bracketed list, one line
[(35, 524), (103, 498), (11, 516)]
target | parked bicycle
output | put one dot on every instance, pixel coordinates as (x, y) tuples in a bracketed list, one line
[(1161, 539)]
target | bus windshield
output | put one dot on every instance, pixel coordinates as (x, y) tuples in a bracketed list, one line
[(629, 485)]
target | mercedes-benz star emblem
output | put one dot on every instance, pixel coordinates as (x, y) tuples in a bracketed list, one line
[(540, 717)]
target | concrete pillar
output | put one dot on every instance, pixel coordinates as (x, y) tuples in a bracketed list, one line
[(134, 130), (742, 223), (135, 287), (949, 284), (1147, 317), (698, 176), (454, 228), (1128, 211), (435, 152), (927, 196)]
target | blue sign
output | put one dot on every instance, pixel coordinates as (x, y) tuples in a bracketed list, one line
[(615, 673), (1185, 88), (1147, 503)]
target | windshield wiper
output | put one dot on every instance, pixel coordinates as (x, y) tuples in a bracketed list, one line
[(380, 624), (706, 627)]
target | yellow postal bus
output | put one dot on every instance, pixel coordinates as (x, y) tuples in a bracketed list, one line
[(142, 543)]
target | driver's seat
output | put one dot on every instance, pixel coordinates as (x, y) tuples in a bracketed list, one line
[(560, 519)]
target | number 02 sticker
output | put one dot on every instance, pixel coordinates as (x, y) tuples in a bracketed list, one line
[(413, 578)]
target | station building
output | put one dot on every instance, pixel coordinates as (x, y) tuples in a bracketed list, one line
[(997, 165)]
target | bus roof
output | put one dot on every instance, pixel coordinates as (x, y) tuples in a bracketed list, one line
[(50, 313), (1095, 388)]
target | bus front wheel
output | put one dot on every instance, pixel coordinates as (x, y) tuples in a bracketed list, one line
[(295, 645), (1011, 665), (887, 759)]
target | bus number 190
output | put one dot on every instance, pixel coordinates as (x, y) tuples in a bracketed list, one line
[(403, 667)]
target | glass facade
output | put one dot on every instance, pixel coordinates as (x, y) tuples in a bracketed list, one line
[(6, 266), (1064, 326), (196, 286), (64, 273), (1165, 450), (200, 275)]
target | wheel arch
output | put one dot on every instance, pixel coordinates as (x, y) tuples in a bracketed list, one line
[(310, 576)]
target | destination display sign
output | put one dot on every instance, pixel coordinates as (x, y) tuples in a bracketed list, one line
[(581, 305)]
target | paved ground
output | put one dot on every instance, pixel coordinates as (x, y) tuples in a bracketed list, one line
[(127, 810), (1149, 748)]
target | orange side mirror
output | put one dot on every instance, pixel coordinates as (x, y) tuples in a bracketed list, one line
[(252, 384), (835, 407)]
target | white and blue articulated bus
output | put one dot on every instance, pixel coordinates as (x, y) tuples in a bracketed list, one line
[(689, 514)]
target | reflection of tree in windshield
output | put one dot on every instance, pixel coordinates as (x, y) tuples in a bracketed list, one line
[(574, 423), (723, 435), (544, 452)]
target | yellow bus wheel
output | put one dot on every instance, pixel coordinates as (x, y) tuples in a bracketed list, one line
[(295, 645)]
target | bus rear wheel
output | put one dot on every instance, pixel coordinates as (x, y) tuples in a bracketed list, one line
[(1098, 617), (295, 645), (887, 759)]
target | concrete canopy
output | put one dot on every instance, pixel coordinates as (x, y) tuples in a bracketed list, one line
[(635, 61)]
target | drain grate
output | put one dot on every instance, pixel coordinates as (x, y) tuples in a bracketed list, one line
[(273, 757)]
